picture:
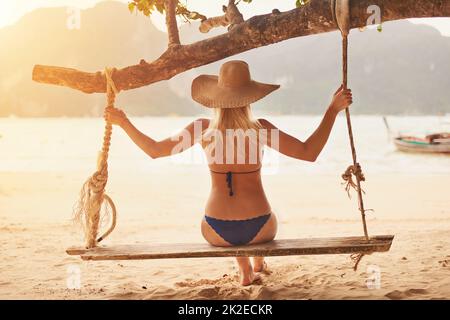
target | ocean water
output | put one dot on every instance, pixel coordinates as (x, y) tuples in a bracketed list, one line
[(72, 144)]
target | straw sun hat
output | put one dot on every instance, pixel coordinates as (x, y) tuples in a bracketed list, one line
[(233, 88)]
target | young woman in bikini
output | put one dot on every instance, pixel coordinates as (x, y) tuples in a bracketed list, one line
[(237, 211)]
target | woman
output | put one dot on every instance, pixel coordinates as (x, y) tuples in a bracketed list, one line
[(237, 211)]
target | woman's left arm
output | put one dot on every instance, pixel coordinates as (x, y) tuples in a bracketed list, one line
[(177, 143), (311, 148)]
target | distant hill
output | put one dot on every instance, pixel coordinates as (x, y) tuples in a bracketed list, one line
[(404, 69)]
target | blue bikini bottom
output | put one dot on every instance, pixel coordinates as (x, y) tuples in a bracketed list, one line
[(238, 232)]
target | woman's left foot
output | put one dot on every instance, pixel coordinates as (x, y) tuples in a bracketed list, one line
[(250, 278), (259, 265)]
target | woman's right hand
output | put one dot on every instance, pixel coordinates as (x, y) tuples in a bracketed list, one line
[(342, 99), (115, 116)]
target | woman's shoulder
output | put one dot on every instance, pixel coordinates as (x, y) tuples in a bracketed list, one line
[(266, 123), (203, 121)]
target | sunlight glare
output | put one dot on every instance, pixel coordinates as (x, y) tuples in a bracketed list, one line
[(7, 12)]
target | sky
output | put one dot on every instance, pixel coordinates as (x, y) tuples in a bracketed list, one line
[(12, 10)]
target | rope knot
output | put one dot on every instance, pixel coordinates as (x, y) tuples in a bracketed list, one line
[(98, 180), (347, 176)]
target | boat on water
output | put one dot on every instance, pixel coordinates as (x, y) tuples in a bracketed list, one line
[(435, 143), (432, 143)]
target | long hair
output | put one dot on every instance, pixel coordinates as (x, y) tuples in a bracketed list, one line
[(234, 118), (242, 121)]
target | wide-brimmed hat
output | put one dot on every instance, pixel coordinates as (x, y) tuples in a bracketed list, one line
[(233, 88)]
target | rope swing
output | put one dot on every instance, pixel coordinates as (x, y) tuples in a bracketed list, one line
[(341, 15), (93, 198), (94, 205)]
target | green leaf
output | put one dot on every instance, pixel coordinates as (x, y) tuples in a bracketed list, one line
[(299, 3), (131, 6)]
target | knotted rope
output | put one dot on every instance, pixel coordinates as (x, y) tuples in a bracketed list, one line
[(348, 178), (341, 14), (92, 195)]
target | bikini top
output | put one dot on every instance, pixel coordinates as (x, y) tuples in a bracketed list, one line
[(229, 178)]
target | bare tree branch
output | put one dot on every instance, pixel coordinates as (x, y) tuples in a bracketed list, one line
[(313, 18), (231, 17), (171, 22)]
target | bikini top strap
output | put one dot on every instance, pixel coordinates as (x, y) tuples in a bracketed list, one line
[(230, 182), (229, 178)]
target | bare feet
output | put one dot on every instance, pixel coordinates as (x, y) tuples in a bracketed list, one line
[(259, 265), (246, 273), (249, 278)]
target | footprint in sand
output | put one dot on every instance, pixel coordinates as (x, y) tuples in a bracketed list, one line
[(158, 273), (62, 264), (125, 296), (264, 293), (406, 294), (210, 292), (444, 263)]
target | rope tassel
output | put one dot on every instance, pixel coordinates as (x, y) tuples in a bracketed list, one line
[(92, 195), (353, 170)]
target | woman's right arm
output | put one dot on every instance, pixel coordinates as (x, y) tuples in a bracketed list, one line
[(313, 146), (177, 143)]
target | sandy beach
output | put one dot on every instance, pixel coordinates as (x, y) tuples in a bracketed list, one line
[(109, 89), (35, 229)]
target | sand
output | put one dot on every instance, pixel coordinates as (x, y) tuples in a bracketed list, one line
[(35, 229)]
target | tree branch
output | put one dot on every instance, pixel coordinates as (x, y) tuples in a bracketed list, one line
[(313, 18), (171, 22), (231, 17)]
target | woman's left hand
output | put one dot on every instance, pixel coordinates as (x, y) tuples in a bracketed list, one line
[(342, 99), (115, 116)]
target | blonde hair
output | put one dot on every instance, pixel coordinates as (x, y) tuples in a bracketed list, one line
[(240, 120), (234, 118)]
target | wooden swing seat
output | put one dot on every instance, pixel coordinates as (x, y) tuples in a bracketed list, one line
[(285, 247)]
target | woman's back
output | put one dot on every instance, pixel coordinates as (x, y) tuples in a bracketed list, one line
[(234, 153), (237, 211)]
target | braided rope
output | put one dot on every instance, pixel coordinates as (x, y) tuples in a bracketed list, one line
[(92, 195)]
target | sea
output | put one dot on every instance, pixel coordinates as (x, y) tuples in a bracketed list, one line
[(72, 144)]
